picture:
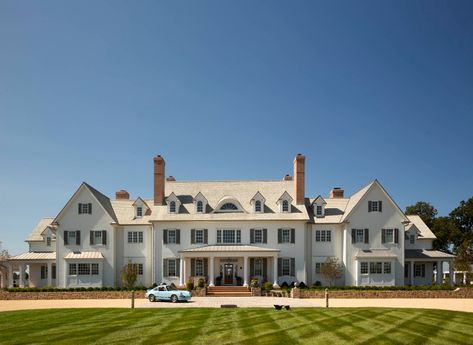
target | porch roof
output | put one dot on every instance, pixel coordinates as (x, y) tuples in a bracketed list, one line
[(229, 249), (425, 254), (375, 253), (84, 255), (34, 256)]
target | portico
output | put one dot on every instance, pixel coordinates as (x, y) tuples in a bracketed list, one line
[(41, 269), (419, 265), (229, 265)]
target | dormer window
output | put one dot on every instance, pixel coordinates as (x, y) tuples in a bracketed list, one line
[(200, 203), (139, 211), (229, 207), (172, 207), (318, 210), (285, 206), (319, 207), (412, 238), (257, 206), (200, 207)]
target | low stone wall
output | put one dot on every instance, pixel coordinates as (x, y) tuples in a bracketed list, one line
[(255, 291), (5, 295), (458, 293), (199, 292)]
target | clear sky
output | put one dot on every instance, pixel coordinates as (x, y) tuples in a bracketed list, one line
[(92, 90)]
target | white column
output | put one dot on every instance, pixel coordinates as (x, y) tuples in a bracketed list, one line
[(50, 273), (245, 271), (439, 272), (22, 275), (211, 271), (181, 275), (10, 275), (411, 273), (464, 277), (275, 272)]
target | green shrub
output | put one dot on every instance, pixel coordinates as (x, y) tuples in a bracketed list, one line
[(190, 285), (268, 286)]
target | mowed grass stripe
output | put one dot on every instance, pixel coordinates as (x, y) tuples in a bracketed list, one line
[(236, 326)]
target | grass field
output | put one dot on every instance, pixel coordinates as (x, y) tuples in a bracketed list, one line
[(242, 326)]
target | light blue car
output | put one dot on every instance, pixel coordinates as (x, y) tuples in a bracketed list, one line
[(165, 292)]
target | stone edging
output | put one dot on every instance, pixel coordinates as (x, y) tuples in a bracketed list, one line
[(458, 293)]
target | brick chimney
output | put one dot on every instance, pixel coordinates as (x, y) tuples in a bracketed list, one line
[(158, 180), (122, 195), (299, 179), (336, 193), (170, 179), (287, 178)]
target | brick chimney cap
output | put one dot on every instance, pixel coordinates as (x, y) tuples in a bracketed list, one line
[(170, 178)]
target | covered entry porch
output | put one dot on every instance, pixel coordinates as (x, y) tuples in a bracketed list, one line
[(229, 265), (425, 267), (41, 268)]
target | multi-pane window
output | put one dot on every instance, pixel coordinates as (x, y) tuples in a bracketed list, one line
[(44, 272), (94, 269), (318, 210), (375, 206), (285, 206), (97, 237), (171, 267), (199, 236), (323, 235), (318, 267), (286, 267), (387, 268), (199, 267), (364, 268), (228, 236), (258, 267), (258, 235), (72, 269), (257, 206), (286, 235), (419, 270), (135, 236), (85, 208), (229, 207), (172, 236), (83, 269), (138, 268), (139, 211), (389, 235), (412, 238), (200, 207), (172, 272), (48, 241), (172, 207), (360, 236), (376, 267), (72, 237)]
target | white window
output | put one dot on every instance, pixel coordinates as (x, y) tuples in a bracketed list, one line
[(360, 236), (419, 270), (258, 235), (229, 207), (44, 272), (323, 235), (97, 237), (387, 268), (72, 269), (318, 210), (48, 241), (257, 206), (285, 206), (376, 267), (95, 269), (200, 207), (172, 272), (412, 238), (199, 236), (286, 267), (228, 236), (172, 237), (135, 236), (85, 208), (375, 206), (389, 235), (172, 207), (139, 211), (139, 269), (318, 267), (199, 267), (364, 268), (84, 269), (258, 267), (71, 237), (286, 236)]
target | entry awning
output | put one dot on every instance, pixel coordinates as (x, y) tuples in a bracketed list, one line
[(375, 253), (34, 256), (229, 249), (84, 256), (424, 254)]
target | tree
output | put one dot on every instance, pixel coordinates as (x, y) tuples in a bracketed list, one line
[(464, 257), (331, 269), (129, 274), (462, 216), (445, 231), (424, 210)]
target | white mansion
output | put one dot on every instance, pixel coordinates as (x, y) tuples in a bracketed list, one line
[(229, 232)]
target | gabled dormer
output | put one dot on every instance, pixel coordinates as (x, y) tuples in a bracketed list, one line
[(141, 208), (319, 207), (284, 202), (173, 203), (200, 203), (257, 202)]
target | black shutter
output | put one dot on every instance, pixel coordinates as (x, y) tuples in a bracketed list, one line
[(78, 237), (370, 208), (178, 267), (206, 267), (265, 235), (293, 267), (90, 208), (293, 235), (423, 270), (165, 236), (353, 235), (252, 266), (265, 267), (396, 235), (367, 236), (206, 236), (66, 237), (80, 208), (219, 236), (104, 237), (279, 235), (279, 267), (252, 235), (383, 235), (192, 267), (380, 206), (92, 242), (165, 267), (178, 236), (192, 236)]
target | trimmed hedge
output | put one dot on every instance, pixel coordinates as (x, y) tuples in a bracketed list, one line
[(382, 288), (52, 289)]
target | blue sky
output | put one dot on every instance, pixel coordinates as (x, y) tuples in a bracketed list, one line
[(92, 90)]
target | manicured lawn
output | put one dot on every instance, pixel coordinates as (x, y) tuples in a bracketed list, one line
[(242, 326)]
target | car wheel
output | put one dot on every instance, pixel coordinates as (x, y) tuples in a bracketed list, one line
[(174, 298), (152, 298)]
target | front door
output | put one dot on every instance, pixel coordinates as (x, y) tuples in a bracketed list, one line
[(228, 273)]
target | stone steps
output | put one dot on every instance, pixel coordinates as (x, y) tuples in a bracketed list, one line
[(228, 291)]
